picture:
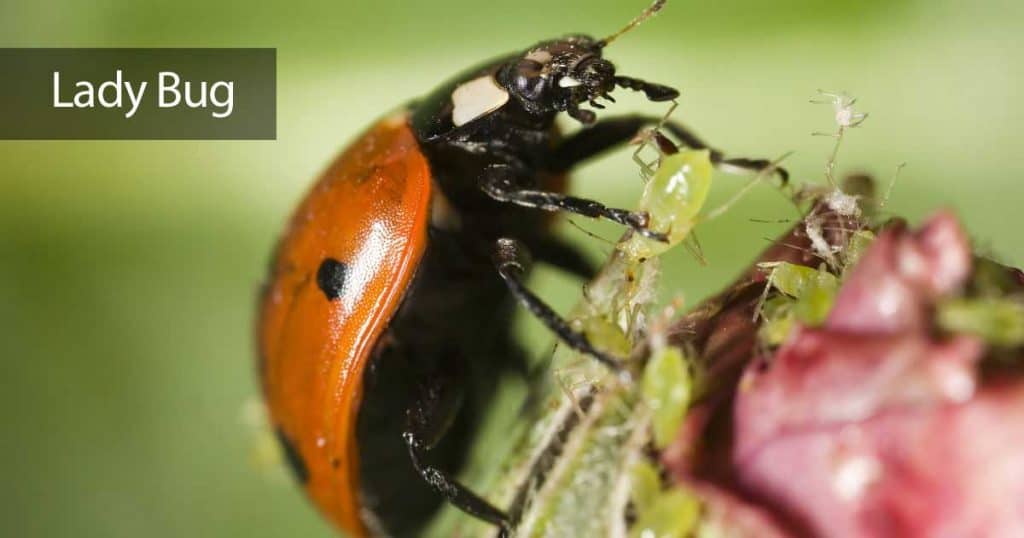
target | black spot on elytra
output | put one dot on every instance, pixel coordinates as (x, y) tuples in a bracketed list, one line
[(330, 277), (294, 459)]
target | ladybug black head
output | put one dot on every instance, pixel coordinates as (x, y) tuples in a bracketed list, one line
[(561, 74)]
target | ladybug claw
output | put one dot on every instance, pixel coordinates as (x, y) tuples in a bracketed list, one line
[(651, 234)]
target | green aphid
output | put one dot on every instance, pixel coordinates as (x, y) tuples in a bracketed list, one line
[(778, 319), (998, 320), (667, 388), (806, 297), (856, 247), (673, 198), (645, 485), (813, 306), (673, 514), (606, 335)]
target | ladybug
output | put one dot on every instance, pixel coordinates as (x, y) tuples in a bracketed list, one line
[(384, 323)]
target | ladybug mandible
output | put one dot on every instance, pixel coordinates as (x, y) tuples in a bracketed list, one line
[(384, 324)]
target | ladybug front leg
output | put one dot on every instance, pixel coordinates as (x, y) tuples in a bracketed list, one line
[(512, 262), (613, 132), (428, 419), (501, 183)]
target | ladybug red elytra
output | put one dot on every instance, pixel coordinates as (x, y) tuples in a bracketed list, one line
[(384, 324)]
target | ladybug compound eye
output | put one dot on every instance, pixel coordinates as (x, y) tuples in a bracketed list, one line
[(477, 98), (529, 80), (530, 87)]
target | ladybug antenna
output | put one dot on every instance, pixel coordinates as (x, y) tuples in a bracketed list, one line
[(646, 14)]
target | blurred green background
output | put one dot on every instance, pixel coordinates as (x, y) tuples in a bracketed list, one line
[(128, 270)]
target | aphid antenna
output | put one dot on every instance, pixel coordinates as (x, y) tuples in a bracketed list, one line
[(668, 113), (798, 248), (592, 235), (842, 229), (643, 16), (770, 221), (569, 391), (761, 174)]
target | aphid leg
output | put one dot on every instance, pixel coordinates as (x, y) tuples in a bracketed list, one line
[(769, 282), (612, 132), (888, 189), (651, 136), (692, 245), (647, 168), (500, 182), (512, 261), (602, 136), (427, 420)]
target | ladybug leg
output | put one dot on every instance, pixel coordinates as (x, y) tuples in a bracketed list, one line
[(500, 183), (512, 261), (613, 132), (428, 418), (653, 92)]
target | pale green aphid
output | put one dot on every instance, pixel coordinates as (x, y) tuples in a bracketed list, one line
[(808, 297), (606, 335), (672, 514), (779, 319), (667, 387), (855, 248), (808, 293), (998, 320), (813, 289), (660, 513), (645, 485), (672, 198)]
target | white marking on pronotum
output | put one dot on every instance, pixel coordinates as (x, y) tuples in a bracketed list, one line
[(569, 82), (476, 98)]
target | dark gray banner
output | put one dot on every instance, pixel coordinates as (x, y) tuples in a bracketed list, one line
[(108, 94)]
